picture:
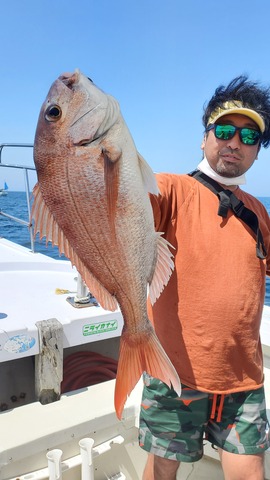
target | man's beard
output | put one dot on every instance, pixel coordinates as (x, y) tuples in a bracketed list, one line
[(228, 172)]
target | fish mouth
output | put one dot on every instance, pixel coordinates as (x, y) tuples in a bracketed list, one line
[(106, 108), (70, 79)]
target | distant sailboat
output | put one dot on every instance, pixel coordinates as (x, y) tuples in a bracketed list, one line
[(3, 191)]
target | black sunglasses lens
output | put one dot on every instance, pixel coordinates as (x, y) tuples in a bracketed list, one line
[(224, 132), (249, 136)]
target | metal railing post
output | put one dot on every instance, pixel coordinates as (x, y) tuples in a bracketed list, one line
[(25, 169)]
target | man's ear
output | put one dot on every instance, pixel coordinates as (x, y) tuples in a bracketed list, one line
[(203, 142)]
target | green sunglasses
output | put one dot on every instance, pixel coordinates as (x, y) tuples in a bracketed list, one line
[(248, 136)]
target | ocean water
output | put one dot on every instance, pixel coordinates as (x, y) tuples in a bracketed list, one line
[(15, 204)]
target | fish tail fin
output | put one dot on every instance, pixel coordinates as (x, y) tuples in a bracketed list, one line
[(141, 353)]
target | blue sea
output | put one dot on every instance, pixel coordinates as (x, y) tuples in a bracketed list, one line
[(15, 204)]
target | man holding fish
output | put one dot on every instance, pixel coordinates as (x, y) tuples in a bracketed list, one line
[(208, 317)]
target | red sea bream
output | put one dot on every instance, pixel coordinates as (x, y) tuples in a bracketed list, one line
[(92, 201)]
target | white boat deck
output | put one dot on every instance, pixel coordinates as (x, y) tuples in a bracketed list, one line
[(28, 432), (28, 283)]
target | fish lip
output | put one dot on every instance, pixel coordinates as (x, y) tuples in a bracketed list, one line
[(70, 79)]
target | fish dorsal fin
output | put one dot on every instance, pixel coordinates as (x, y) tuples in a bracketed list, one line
[(163, 270), (46, 226), (148, 176), (43, 219)]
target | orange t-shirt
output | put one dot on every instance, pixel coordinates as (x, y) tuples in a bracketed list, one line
[(208, 317)]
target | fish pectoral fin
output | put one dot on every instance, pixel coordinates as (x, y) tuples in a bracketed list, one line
[(164, 268), (148, 176), (112, 152), (137, 356), (111, 177)]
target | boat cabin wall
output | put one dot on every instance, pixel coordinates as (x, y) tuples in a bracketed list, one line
[(83, 366)]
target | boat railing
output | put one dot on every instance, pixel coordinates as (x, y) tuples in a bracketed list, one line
[(25, 170), (83, 296)]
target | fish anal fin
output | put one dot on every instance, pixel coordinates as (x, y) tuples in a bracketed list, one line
[(102, 295), (144, 355), (164, 268)]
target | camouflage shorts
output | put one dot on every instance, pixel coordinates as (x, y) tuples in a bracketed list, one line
[(175, 428)]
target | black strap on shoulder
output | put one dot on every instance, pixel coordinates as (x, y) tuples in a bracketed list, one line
[(227, 200)]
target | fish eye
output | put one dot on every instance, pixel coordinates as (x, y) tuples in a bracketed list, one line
[(53, 113)]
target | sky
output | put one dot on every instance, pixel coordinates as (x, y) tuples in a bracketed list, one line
[(162, 60)]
